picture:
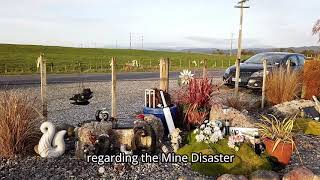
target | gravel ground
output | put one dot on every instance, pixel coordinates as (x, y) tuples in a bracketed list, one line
[(130, 100)]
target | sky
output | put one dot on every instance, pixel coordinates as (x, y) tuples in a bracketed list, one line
[(162, 24)]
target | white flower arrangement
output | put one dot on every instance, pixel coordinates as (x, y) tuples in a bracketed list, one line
[(208, 132), (185, 77), (235, 140)]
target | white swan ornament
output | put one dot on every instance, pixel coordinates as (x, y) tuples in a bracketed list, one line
[(51, 143)]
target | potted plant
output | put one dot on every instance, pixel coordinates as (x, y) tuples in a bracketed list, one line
[(278, 138), (195, 98)]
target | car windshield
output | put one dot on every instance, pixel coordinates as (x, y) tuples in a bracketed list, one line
[(271, 58)]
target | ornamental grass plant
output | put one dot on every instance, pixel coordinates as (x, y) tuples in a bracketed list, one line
[(19, 123), (311, 79), (279, 131), (282, 86)]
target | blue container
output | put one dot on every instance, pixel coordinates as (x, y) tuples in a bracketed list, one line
[(158, 112)]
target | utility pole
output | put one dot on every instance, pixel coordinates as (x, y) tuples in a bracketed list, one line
[(142, 41), (241, 6), (116, 44), (231, 41), (130, 40)]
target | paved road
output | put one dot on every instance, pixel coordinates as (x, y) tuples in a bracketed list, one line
[(71, 78)]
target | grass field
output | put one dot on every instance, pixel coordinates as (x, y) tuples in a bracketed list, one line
[(21, 59)]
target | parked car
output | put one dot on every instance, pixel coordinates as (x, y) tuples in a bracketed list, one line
[(251, 70)]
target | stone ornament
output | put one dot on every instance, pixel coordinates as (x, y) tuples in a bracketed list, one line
[(51, 143), (176, 139)]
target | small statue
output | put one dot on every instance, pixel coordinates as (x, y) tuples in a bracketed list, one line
[(144, 137), (51, 143), (102, 115), (176, 139), (102, 144)]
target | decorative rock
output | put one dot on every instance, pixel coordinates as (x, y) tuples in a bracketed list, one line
[(264, 175), (292, 107), (236, 117), (190, 178), (101, 170), (231, 177), (316, 177), (86, 132), (299, 173), (89, 135), (156, 125), (69, 128)]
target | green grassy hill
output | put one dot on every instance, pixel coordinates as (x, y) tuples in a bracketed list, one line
[(21, 59)]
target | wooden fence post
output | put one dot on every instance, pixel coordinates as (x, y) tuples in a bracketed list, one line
[(264, 83), (189, 64), (164, 74), (113, 88), (205, 68), (5, 68), (288, 66), (180, 64), (43, 75), (236, 88)]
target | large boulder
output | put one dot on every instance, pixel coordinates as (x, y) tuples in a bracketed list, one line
[(299, 173), (236, 117), (88, 135), (291, 108), (232, 177), (156, 125), (264, 175)]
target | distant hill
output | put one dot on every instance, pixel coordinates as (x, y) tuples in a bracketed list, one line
[(255, 50)]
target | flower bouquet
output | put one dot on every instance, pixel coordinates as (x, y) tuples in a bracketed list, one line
[(208, 132)]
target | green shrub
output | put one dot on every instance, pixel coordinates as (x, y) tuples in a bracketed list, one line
[(307, 126), (245, 161)]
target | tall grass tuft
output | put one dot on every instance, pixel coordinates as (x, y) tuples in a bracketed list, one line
[(19, 124), (282, 86), (311, 79), (236, 103)]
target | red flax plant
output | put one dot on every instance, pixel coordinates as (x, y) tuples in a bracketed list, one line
[(19, 124), (282, 86), (311, 79), (196, 99)]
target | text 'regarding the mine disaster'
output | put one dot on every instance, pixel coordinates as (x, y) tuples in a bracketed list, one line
[(162, 158)]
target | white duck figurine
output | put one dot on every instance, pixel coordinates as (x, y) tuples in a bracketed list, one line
[(51, 143)]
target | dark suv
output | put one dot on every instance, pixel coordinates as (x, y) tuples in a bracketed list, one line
[(251, 70)]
